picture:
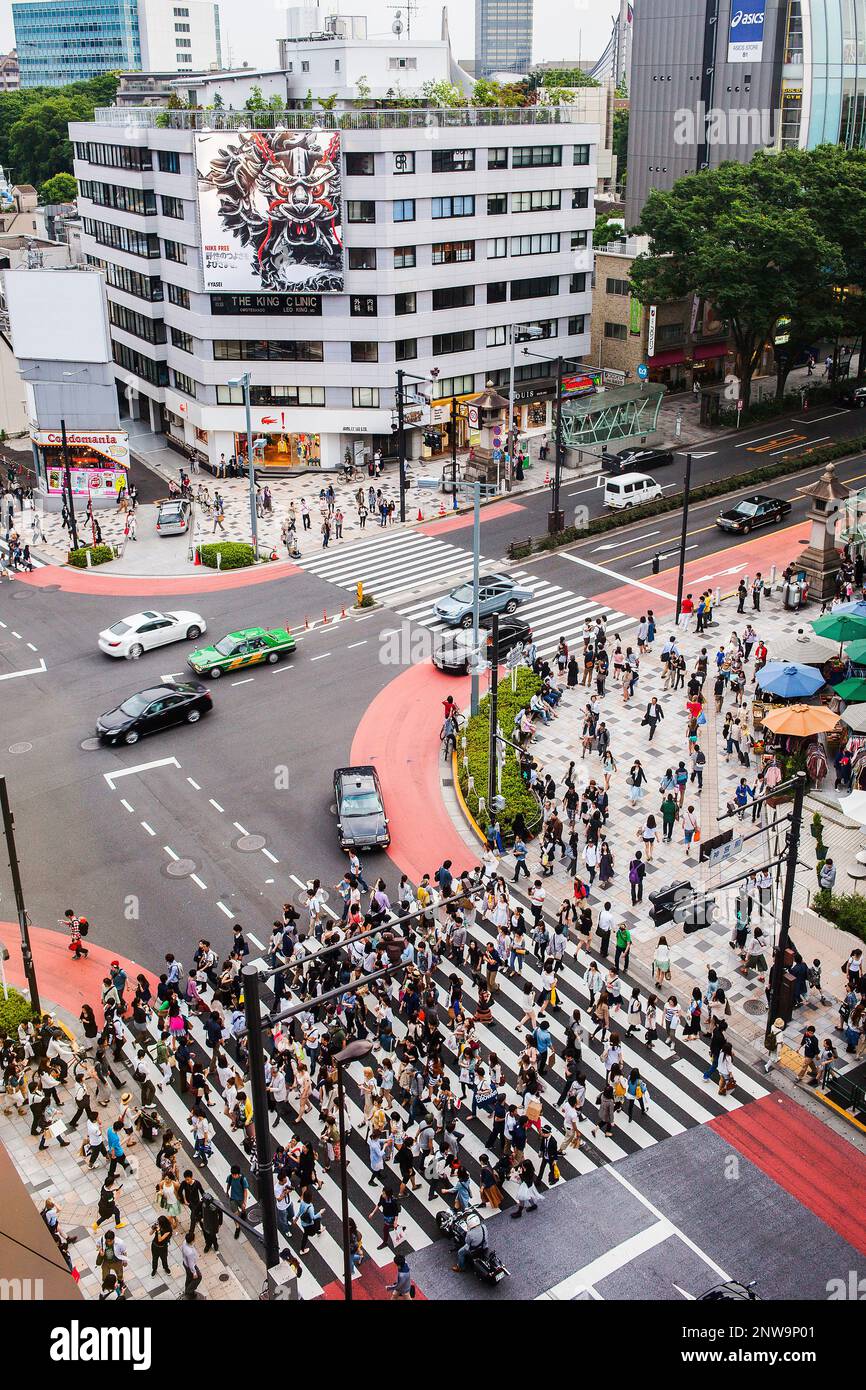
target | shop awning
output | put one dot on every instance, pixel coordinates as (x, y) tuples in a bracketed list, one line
[(704, 353), (667, 359)]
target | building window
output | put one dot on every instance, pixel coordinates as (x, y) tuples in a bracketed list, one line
[(365, 397), (402, 64), (182, 340), (454, 297), (363, 306), (535, 244), (183, 57), (362, 258), (152, 330), (538, 200), (178, 295), (406, 349), (122, 238), (136, 362), (497, 292), (496, 204), (497, 337), (404, 162), (272, 395), (132, 282), (536, 288), (581, 154), (113, 156), (578, 240), (404, 257), (576, 324), (171, 207), (452, 252), (174, 251), (445, 343), (580, 197), (305, 66), (671, 332), (614, 286), (181, 13), (577, 283), (109, 195), (453, 161), (616, 330), (447, 386), (359, 164), (360, 211), (497, 158), (365, 352), (169, 161), (182, 43), (266, 350), (404, 303), (183, 383), (794, 35), (404, 210), (336, 65), (497, 246), (181, 28), (536, 156), (459, 206), (792, 111)]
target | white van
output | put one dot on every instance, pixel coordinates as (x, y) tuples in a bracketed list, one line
[(630, 489)]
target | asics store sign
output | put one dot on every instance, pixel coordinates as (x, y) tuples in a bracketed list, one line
[(746, 34)]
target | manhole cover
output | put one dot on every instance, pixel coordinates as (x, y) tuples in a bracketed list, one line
[(723, 982), (224, 1278), (754, 1007), (89, 744), (248, 843), (179, 868), (20, 747), (24, 591), (50, 588)]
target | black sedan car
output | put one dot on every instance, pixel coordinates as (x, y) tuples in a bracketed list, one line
[(636, 460), (153, 709), (853, 396), (757, 510), (452, 649), (361, 819)]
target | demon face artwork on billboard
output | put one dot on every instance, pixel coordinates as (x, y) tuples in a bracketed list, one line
[(270, 204)]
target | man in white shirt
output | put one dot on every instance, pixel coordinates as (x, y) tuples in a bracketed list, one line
[(285, 1210), (95, 1140), (189, 1255)]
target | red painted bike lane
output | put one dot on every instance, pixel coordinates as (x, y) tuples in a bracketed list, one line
[(62, 981)]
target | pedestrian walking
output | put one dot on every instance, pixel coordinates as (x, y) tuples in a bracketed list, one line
[(189, 1256)]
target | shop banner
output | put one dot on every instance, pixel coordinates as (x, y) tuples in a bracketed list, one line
[(86, 482), (746, 32), (113, 445), (635, 313)]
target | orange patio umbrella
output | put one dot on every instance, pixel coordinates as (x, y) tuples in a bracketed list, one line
[(799, 721)]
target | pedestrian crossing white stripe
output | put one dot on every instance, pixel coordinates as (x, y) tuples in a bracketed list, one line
[(382, 556), (395, 540)]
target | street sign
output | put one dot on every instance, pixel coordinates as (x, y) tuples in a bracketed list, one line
[(642, 371), (739, 405), (678, 426), (723, 852)]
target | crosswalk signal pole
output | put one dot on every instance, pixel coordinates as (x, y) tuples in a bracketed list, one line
[(775, 1002), (687, 485), (493, 715), (18, 891), (264, 1152), (401, 442)]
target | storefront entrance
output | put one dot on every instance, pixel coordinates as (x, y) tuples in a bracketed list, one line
[(282, 450)]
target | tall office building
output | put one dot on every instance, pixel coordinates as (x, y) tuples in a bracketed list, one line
[(62, 41), (715, 80), (503, 36)]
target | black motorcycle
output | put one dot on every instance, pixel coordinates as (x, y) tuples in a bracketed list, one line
[(485, 1262)]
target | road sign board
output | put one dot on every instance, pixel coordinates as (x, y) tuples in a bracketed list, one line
[(722, 852), (642, 371), (739, 405)]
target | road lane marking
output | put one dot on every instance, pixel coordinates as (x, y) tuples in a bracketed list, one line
[(216, 805), (818, 440), (194, 784), (2, 624), (255, 940), (16, 634), (125, 803), (148, 828), (245, 681), (171, 675), (111, 777), (614, 574), (352, 645), (275, 670), (816, 419), (273, 858), (616, 545), (320, 658), (654, 1211), (32, 648), (705, 454), (584, 1280), (195, 878), (31, 671), (222, 907), (748, 442), (237, 825), (171, 854)]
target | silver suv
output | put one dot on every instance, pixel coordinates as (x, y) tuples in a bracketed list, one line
[(173, 516)]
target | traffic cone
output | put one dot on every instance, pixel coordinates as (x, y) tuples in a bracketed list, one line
[(197, 559), (324, 617), (343, 611), (306, 623), (547, 477), (420, 517), (441, 507)]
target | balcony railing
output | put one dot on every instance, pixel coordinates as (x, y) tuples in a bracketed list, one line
[(404, 118)]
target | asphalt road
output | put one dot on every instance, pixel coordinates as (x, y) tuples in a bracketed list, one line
[(260, 763)]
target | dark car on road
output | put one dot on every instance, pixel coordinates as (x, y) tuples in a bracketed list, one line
[(757, 510), (636, 460), (361, 819), (853, 396), (158, 707), (452, 649)]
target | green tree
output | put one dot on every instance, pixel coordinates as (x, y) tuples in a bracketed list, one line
[(39, 144), (442, 94), (619, 142), (17, 106), (568, 77), (607, 229), (60, 188), (743, 237)]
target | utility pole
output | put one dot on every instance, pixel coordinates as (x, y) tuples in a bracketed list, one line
[(26, 953), (554, 516), (401, 442), (454, 443), (683, 535), (787, 895), (264, 1152), (476, 586), (493, 711), (67, 478), (251, 471)]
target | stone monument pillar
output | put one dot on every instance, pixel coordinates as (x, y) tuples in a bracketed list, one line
[(821, 559)]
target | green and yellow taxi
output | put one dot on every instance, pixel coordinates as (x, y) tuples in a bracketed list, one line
[(252, 646)]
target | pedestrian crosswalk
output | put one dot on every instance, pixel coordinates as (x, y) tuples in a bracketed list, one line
[(390, 569), (679, 1099)]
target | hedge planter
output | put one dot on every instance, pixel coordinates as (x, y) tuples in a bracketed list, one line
[(14, 1010), (235, 555), (518, 796), (99, 555)]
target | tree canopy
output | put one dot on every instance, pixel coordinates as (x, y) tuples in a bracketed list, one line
[(781, 236), (34, 140), (60, 188)]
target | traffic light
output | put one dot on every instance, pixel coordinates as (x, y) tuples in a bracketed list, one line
[(680, 903), (433, 440)]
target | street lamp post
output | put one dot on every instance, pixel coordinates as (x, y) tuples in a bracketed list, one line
[(352, 1052), (261, 1123), (526, 331), (67, 479), (18, 892), (555, 517), (244, 381), (787, 895)]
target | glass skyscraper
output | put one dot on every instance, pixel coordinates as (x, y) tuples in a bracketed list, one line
[(62, 41), (503, 36)]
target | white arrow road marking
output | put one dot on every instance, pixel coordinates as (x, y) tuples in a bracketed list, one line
[(111, 777), (617, 545), (734, 569), (31, 671)]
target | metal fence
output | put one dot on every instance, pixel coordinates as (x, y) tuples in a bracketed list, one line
[(408, 118)]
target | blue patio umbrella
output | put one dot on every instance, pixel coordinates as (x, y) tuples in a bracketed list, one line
[(856, 607), (789, 680)]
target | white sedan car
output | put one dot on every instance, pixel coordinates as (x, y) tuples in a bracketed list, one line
[(141, 631)]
